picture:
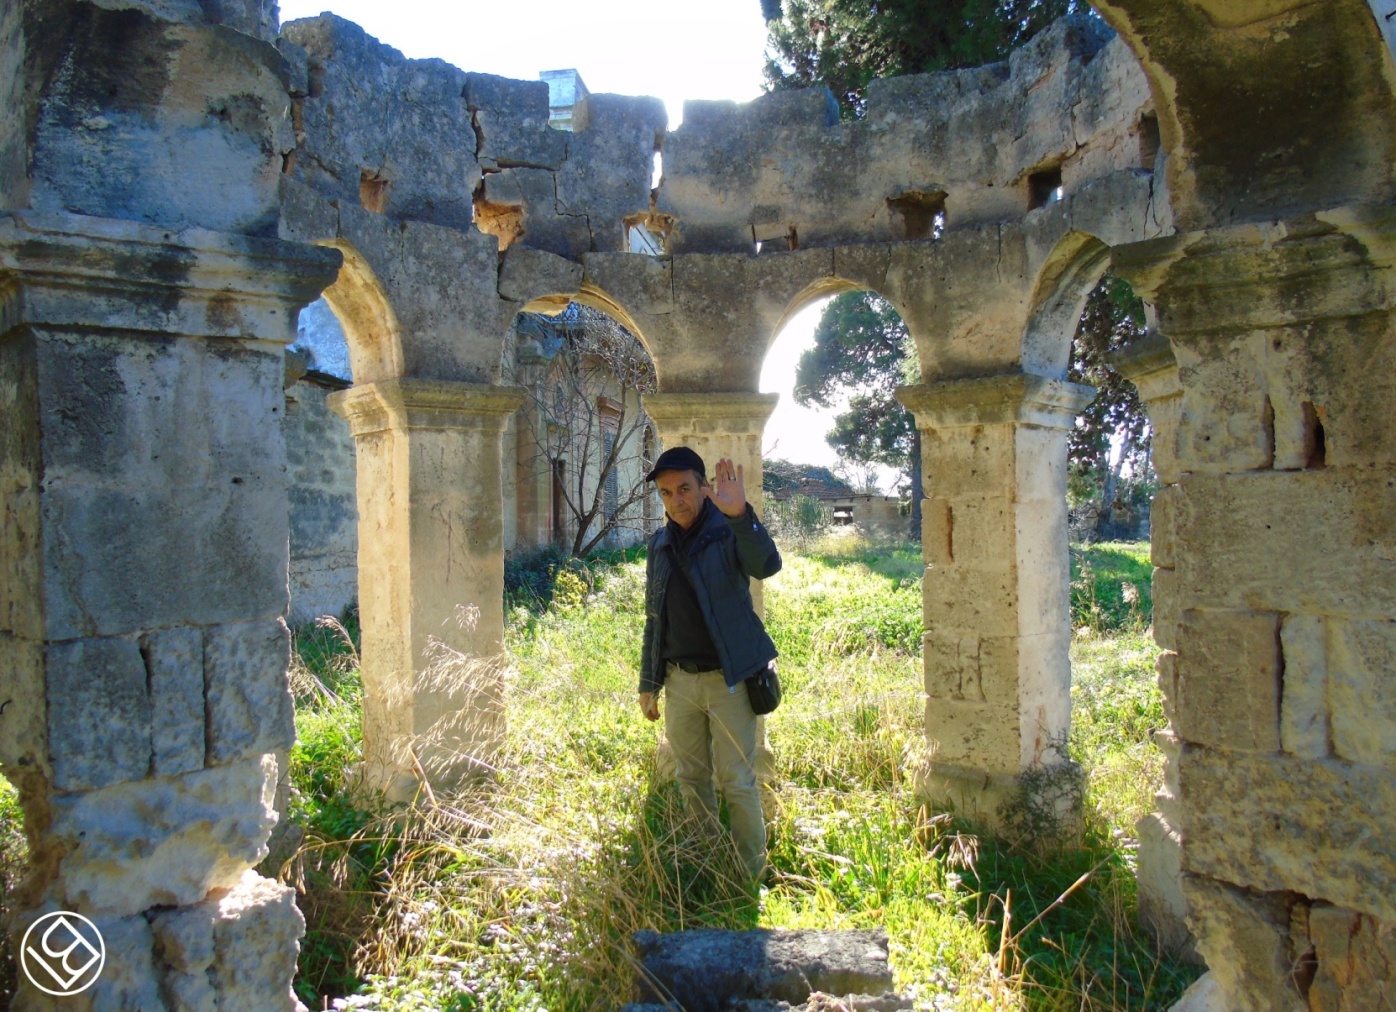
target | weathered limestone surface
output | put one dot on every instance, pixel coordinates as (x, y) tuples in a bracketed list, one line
[(324, 509), (142, 641), (1275, 591), (1265, 109), (968, 139), (996, 581), (432, 576), (115, 127)]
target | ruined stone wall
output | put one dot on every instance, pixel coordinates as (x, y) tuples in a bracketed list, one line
[(321, 488), (143, 647), (164, 166)]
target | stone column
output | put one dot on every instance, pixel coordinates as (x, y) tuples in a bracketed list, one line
[(1150, 365), (431, 575), (1281, 533), (997, 605), (143, 576)]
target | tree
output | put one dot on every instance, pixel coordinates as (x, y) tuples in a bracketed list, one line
[(862, 353), (1113, 317), (844, 44), (783, 478), (584, 374)]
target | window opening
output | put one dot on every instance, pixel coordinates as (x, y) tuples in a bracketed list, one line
[(1045, 187), (917, 214)]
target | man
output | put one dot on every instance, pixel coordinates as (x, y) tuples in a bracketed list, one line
[(703, 639)]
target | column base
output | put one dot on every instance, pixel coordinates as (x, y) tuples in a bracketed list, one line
[(1159, 875), (1044, 802)]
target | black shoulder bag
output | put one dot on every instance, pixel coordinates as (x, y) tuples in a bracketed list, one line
[(763, 689)]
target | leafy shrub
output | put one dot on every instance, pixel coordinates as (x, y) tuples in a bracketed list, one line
[(796, 520)]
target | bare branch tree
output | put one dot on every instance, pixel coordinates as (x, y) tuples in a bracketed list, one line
[(584, 375)]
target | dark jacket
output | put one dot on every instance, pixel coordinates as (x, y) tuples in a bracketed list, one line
[(723, 555)]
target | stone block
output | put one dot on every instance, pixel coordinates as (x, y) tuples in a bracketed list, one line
[(99, 727), (1304, 722), (1167, 608), (408, 128), (1356, 957), (1166, 672), (174, 660), (1229, 680), (1043, 571), (610, 165), (975, 735), (235, 950), (21, 579), (968, 461), (979, 531), (937, 531), (443, 285), (951, 662), (247, 697), (114, 140), (1362, 691), (164, 841), (127, 977), (1281, 823), (1042, 685), (1227, 422), (527, 274), (1165, 415), (1241, 544), (257, 938), (1163, 527), (23, 724), (1162, 909), (1244, 937), (708, 970), (511, 122), (961, 597), (165, 484)]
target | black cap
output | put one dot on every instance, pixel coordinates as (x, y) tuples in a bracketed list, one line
[(678, 458)]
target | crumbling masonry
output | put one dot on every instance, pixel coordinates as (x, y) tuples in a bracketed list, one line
[(179, 182)]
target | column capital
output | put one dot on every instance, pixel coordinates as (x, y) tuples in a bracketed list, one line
[(69, 270), (1017, 397), (1276, 274), (1151, 366), (426, 404), (733, 413)]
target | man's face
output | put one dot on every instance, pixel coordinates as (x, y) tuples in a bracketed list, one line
[(682, 493)]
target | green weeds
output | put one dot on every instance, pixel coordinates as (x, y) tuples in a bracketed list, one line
[(523, 890)]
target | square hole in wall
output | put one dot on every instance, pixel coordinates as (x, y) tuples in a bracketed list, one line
[(917, 214), (1149, 140), (1045, 187)]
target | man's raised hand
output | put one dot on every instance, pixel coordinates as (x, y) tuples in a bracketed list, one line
[(728, 488)]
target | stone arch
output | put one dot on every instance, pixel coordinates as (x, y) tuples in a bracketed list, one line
[(1067, 278), (565, 421), (1265, 108), (366, 315)]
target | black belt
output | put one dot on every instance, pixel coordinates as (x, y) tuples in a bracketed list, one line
[(693, 667)]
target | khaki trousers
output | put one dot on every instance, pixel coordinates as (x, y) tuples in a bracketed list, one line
[(713, 734)]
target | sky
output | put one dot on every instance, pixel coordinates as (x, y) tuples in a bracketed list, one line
[(670, 50)]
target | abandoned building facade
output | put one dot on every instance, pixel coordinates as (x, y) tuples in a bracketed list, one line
[(181, 179)]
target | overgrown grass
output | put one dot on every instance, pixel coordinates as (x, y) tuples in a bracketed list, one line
[(523, 891)]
